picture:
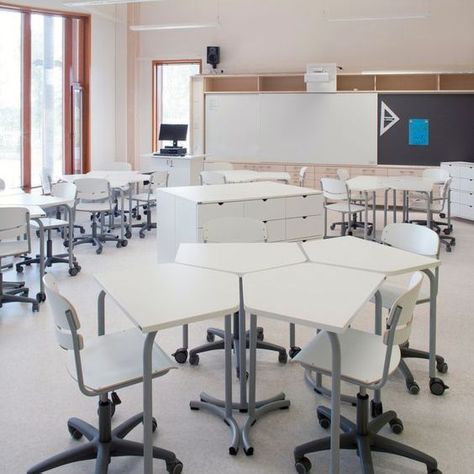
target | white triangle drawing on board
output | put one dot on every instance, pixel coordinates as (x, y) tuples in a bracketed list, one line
[(388, 118)]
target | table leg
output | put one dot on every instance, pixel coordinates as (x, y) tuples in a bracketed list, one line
[(335, 401), (242, 350), (70, 246), (366, 215), (377, 402), (385, 208), (101, 313), (374, 215), (428, 216), (394, 195), (122, 215), (148, 404), (41, 296)]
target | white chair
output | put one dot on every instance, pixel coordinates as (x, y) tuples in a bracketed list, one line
[(302, 175), (439, 174), (212, 177), (14, 240), (218, 166), (343, 174), (438, 205), (234, 229), (51, 224), (336, 199), (115, 166), (422, 241), (147, 199), (102, 365), (64, 189), (95, 197), (366, 360)]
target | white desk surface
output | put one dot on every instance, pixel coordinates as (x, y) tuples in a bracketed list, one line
[(35, 211), (320, 296), (354, 253), (26, 200), (157, 297), (248, 176), (167, 157), (399, 183), (117, 179), (367, 183), (238, 192), (240, 258)]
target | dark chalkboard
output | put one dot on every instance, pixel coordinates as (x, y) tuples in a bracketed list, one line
[(451, 129)]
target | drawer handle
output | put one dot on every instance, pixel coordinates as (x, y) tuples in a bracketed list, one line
[(304, 217), (304, 196), (220, 203), (264, 222), (265, 200)]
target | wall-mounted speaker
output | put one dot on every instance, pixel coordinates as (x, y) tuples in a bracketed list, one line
[(213, 55)]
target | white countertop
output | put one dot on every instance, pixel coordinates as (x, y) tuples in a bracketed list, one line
[(238, 192)]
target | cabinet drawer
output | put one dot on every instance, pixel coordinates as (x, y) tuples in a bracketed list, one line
[(467, 184), (467, 172), (329, 170), (462, 197), (405, 172), (276, 230), (301, 206), (302, 228), (272, 168), (453, 170), (456, 183), (265, 209), (368, 172), (462, 210), (207, 212)]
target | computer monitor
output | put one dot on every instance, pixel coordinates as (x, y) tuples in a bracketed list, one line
[(174, 133)]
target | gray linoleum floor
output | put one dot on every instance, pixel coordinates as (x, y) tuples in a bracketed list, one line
[(37, 396)]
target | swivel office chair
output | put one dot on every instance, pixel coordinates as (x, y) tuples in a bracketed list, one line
[(14, 240), (423, 241), (234, 229), (366, 360), (100, 366)]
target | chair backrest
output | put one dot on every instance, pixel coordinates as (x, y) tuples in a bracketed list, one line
[(333, 189), (159, 179), (64, 190), (116, 166), (92, 189), (2, 185), (218, 165), (302, 175), (343, 174), (439, 174), (444, 194), (412, 238), (212, 177), (14, 229), (46, 182), (235, 229)]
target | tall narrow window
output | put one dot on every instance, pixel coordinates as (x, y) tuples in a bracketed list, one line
[(10, 97), (172, 83)]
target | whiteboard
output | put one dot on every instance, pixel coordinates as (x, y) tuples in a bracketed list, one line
[(312, 128)]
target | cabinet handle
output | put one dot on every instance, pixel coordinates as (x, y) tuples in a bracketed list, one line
[(265, 200), (304, 217), (220, 203)]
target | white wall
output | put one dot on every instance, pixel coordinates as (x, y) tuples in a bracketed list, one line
[(284, 35)]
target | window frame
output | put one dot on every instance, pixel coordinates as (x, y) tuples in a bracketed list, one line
[(155, 109)]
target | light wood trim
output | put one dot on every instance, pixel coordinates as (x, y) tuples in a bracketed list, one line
[(455, 81), (67, 94), (43, 11), (407, 82), (85, 47), (356, 82), (26, 103)]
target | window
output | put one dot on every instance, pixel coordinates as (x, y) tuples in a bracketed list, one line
[(171, 92), (46, 59)]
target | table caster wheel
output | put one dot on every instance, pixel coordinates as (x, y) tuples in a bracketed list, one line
[(376, 408), (19, 269), (437, 386), (332, 226), (40, 297), (303, 465), (324, 421), (442, 367), (233, 451), (194, 359), (260, 334), (210, 337), (35, 307), (77, 267), (294, 351), (75, 434), (413, 388), (396, 425), (73, 271), (128, 234), (175, 468), (248, 451), (282, 357), (181, 355), (138, 217)]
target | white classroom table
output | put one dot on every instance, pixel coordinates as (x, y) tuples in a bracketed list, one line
[(241, 259), (353, 253), (319, 296), (249, 176), (36, 203), (121, 181), (170, 295)]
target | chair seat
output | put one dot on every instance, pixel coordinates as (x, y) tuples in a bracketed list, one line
[(144, 197), (344, 207), (422, 205), (93, 207), (116, 360), (390, 292), (362, 356), (49, 223), (8, 249)]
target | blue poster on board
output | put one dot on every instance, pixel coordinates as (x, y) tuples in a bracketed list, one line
[(419, 132)]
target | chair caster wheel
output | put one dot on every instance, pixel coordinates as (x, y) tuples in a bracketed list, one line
[(77, 267), (413, 388), (294, 351), (82, 230), (40, 297), (332, 226), (181, 355), (19, 269), (303, 465), (324, 422), (210, 337), (260, 334), (194, 359), (128, 234), (437, 386), (442, 367), (249, 451), (233, 451), (282, 357), (73, 271), (35, 307), (66, 244), (75, 434), (175, 468), (376, 408), (142, 236), (98, 251), (396, 425), (124, 242)]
